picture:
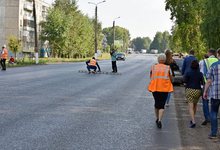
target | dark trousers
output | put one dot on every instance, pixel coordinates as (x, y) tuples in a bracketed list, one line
[(3, 64), (114, 66), (91, 67)]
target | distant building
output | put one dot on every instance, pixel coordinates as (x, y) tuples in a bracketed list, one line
[(16, 18)]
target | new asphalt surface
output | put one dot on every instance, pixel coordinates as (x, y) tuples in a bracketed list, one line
[(54, 107)]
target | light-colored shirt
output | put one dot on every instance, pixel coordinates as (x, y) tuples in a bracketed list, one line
[(214, 75)]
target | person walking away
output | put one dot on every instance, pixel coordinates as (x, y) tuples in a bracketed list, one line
[(170, 62), (213, 83), (113, 58), (194, 80), (187, 62), (160, 85), (205, 68), (91, 64), (4, 56)]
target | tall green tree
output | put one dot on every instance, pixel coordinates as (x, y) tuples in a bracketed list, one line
[(161, 41), (121, 34), (70, 33), (141, 43), (210, 24), (187, 15)]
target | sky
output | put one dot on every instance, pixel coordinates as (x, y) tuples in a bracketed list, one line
[(143, 18)]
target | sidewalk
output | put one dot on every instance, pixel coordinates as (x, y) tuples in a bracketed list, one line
[(197, 138)]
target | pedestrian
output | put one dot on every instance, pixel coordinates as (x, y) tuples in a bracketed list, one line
[(205, 67), (11, 60), (194, 80), (187, 62), (113, 58), (213, 83), (4, 56), (160, 85), (91, 64), (173, 66)]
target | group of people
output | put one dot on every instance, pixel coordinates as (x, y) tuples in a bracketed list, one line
[(92, 64), (201, 78)]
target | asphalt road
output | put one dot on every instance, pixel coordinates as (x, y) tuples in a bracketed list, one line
[(55, 107)]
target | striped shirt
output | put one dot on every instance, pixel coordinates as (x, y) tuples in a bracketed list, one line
[(214, 75)]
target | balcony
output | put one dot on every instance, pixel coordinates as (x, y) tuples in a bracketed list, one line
[(28, 7), (26, 17), (28, 28)]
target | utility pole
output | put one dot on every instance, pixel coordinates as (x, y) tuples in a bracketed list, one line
[(96, 25), (35, 33), (96, 30), (113, 43)]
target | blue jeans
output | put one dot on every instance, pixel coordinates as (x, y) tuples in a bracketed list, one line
[(213, 114), (91, 67), (205, 106)]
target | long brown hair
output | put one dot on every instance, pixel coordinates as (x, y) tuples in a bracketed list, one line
[(169, 58)]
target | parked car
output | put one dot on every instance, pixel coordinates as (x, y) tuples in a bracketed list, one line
[(178, 78), (120, 56)]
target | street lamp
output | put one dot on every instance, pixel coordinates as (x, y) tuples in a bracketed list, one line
[(114, 32), (96, 24)]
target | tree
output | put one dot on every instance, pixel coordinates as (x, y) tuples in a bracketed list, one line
[(14, 44), (70, 33), (187, 15), (121, 34), (141, 43), (210, 25)]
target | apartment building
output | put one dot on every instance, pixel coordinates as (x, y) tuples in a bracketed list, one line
[(16, 18)]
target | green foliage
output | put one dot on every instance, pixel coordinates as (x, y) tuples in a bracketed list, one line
[(161, 41), (186, 33), (210, 24), (69, 32), (141, 43), (14, 44), (121, 34)]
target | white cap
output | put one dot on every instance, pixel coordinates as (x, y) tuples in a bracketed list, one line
[(4, 46)]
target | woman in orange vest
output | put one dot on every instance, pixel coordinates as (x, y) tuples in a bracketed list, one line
[(4, 56), (160, 85)]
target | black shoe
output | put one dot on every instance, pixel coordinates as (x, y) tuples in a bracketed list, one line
[(157, 121), (193, 125), (159, 124), (205, 122)]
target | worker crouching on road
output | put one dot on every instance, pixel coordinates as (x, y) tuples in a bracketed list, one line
[(160, 85), (91, 64)]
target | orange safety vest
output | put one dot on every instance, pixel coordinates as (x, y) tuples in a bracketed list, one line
[(4, 54), (160, 79), (92, 62)]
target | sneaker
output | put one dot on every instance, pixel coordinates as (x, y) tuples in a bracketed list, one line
[(205, 122), (213, 137), (193, 125), (159, 124)]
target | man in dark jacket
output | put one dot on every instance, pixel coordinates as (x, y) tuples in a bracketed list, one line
[(187, 62)]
